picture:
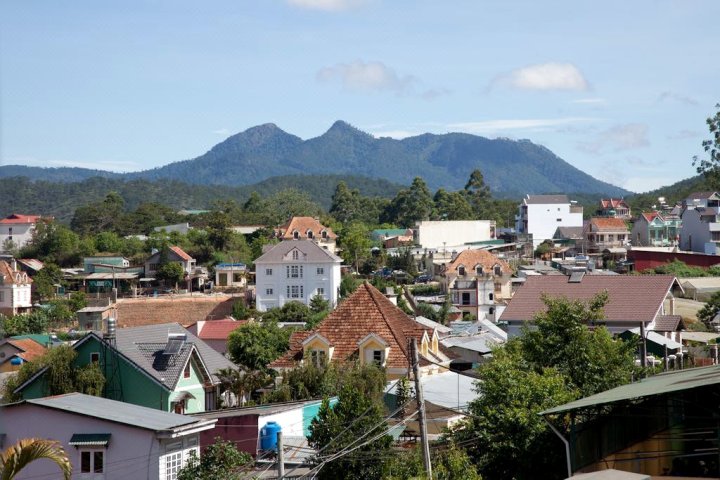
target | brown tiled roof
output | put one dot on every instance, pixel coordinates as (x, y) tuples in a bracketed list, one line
[(366, 311), (181, 253), (650, 216), (30, 349), (669, 323), (133, 312), (8, 276), (630, 297), (608, 224), (302, 225), (470, 258), (19, 218)]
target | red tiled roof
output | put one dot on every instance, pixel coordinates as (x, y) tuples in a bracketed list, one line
[(30, 349), (302, 225), (8, 276), (650, 216), (608, 224), (181, 253), (366, 311), (19, 218), (218, 329), (613, 203), (470, 258), (630, 297), (135, 312)]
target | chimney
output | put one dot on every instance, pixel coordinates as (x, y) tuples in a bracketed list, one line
[(391, 295)]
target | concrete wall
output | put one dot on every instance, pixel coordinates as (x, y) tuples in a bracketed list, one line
[(436, 234), (19, 233), (544, 219)]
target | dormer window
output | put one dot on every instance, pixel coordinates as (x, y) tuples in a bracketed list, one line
[(324, 234), (309, 234), (478, 270), (373, 350), (461, 270), (296, 234), (498, 270)]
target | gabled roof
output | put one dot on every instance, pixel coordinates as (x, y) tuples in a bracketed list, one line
[(31, 263), (181, 253), (669, 323), (568, 233), (311, 252), (613, 203), (630, 297), (470, 258), (17, 218), (117, 412), (608, 224), (701, 195), (8, 276), (545, 199), (650, 216), (302, 225), (366, 311), (29, 349)]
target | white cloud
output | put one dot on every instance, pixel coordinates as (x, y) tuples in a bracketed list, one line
[(546, 76), (678, 98), (618, 138), (591, 101), (327, 5), (374, 76), (514, 124)]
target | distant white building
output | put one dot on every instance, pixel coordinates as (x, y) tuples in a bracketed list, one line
[(15, 289), (541, 215), (450, 233), (17, 229), (296, 270)]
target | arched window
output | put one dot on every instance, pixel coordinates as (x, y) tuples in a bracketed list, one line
[(295, 255), (324, 234), (498, 270), (309, 234), (296, 234)]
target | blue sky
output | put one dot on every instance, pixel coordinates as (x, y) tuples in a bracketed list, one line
[(619, 89)]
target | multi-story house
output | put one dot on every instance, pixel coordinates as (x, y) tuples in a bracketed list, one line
[(296, 270), (601, 233), (433, 234), (308, 228), (195, 275), (369, 328), (655, 229), (478, 283), (16, 230), (541, 215), (702, 199), (614, 207), (160, 366), (15, 289), (700, 230)]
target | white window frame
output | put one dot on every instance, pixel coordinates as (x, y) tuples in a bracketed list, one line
[(320, 270), (318, 357), (268, 291), (172, 462), (321, 291), (295, 291)]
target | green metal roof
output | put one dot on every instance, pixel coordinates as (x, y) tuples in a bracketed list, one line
[(38, 337), (90, 439), (648, 387)]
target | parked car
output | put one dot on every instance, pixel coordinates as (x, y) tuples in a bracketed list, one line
[(424, 278)]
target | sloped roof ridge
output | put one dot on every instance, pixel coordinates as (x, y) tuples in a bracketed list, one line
[(371, 290)]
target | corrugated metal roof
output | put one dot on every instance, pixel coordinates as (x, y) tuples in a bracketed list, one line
[(90, 439), (656, 385), (114, 411)]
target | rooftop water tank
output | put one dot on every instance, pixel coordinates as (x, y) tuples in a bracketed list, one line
[(268, 436)]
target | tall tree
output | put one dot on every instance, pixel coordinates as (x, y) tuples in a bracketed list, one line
[(710, 167), (410, 205), (478, 194), (355, 243), (451, 206), (254, 345), (345, 203)]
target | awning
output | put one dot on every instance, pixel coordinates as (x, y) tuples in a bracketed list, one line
[(616, 251), (180, 396), (90, 439)]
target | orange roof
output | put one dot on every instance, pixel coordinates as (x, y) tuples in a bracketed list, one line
[(19, 218), (650, 216), (218, 329), (302, 225), (608, 224), (181, 253), (366, 311), (30, 349), (8, 276), (613, 203), (471, 258)]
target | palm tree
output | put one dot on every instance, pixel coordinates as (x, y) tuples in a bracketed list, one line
[(18, 456), (242, 382)]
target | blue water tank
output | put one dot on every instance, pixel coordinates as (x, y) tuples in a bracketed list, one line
[(16, 361), (268, 436)]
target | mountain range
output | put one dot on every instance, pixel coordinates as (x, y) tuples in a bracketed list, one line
[(511, 168)]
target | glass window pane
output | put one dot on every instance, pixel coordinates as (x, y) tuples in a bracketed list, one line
[(98, 462), (84, 462)]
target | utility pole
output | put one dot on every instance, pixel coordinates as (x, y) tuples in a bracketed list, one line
[(421, 407), (280, 455)]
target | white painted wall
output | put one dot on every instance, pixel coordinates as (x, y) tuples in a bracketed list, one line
[(271, 289), (19, 233), (437, 234), (544, 219), (131, 453)]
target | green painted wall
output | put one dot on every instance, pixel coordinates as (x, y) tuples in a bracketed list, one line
[(194, 386)]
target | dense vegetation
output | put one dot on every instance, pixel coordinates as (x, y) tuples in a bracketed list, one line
[(442, 160)]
